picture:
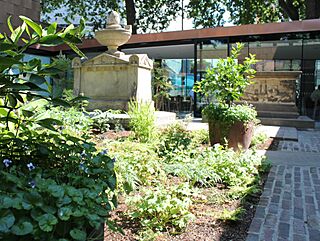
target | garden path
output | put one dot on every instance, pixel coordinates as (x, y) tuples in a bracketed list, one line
[(289, 207)]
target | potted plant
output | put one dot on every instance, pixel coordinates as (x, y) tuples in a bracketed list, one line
[(225, 84)]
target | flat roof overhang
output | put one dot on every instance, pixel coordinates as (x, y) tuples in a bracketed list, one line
[(154, 39)]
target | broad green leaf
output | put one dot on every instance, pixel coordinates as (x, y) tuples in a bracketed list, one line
[(75, 49), (78, 234), (64, 213), (7, 46), (22, 228), (12, 100), (47, 222), (36, 27), (9, 24), (59, 102), (56, 190), (52, 28), (36, 79), (6, 220), (51, 40)]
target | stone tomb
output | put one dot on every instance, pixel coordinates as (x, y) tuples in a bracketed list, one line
[(112, 81)]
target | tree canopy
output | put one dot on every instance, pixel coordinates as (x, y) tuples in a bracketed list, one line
[(156, 15)]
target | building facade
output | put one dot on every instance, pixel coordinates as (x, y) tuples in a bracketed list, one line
[(15, 8)]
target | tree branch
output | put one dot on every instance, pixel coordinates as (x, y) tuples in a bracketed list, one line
[(289, 9), (131, 15)]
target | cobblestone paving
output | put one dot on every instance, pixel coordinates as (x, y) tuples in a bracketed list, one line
[(308, 141), (289, 208)]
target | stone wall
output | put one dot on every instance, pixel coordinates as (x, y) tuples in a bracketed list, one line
[(273, 86), (14, 8)]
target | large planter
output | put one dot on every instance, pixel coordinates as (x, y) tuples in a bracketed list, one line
[(237, 135)]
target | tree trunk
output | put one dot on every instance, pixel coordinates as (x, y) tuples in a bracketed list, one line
[(289, 9), (131, 15), (312, 9)]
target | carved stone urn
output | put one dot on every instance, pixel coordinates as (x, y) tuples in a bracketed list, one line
[(114, 35)]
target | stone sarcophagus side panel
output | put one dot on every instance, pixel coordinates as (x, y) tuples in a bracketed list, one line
[(111, 82), (273, 87)]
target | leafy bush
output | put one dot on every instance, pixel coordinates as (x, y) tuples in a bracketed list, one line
[(228, 80), (233, 168), (137, 164), (173, 139), (162, 208), (142, 121), (230, 114), (208, 166), (259, 138), (54, 185)]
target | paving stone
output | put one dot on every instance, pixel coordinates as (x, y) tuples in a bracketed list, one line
[(298, 226), (253, 237), (290, 203), (314, 235), (297, 237), (298, 213), (255, 225), (284, 229), (286, 204)]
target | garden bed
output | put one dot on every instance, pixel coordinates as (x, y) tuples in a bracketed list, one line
[(221, 212), (208, 224)]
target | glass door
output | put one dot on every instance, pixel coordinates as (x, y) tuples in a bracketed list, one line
[(208, 54)]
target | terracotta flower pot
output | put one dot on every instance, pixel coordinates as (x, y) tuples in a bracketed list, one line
[(238, 135)]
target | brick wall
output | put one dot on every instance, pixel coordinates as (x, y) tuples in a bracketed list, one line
[(29, 8)]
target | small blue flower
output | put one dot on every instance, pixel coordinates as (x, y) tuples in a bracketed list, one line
[(86, 170), (83, 154), (113, 160), (7, 162), (31, 166), (81, 165), (104, 152), (32, 183)]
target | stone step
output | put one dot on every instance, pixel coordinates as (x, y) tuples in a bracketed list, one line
[(278, 114), (278, 107), (303, 122)]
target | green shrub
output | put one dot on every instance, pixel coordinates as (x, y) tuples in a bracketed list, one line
[(208, 166), (162, 208), (173, 139), (137, 164), (142, 121), (54, 186), (259, 138)]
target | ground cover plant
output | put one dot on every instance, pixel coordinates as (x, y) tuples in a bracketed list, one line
[(178, 181), (55, 185)]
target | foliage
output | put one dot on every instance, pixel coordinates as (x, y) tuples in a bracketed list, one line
[(100, 120), (142, 121), (230, 114), (161, 87), (212, 165), (163, 208), (137, 164), (259, 138), (146, 16), (55, 186), (228, 80), (173, 139), (232, 215), (149, 16), (211, 13)]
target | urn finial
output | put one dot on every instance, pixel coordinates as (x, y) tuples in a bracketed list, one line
[(113, 18)]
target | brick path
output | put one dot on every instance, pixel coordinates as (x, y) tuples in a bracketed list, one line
[(289, 208), (308, 141)]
